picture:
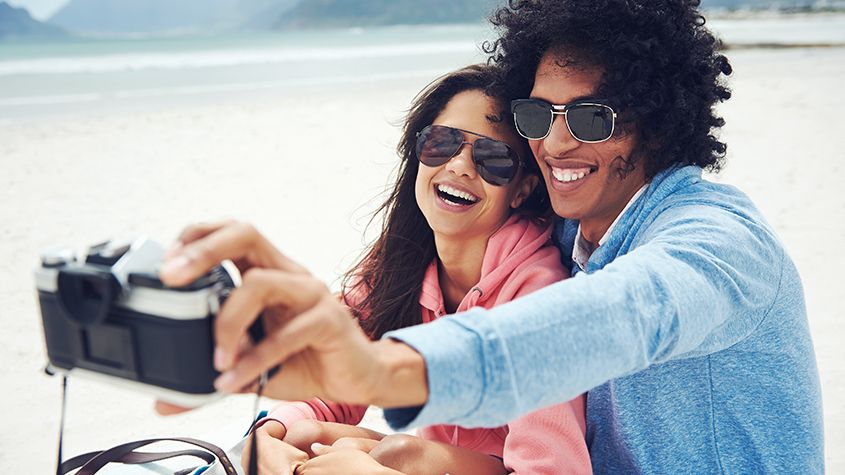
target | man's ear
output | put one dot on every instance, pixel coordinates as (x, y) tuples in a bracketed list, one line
[(526, 185)]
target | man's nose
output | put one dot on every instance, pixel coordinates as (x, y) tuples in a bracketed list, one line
[(560, 139)]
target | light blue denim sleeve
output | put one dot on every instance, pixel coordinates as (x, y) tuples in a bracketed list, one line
[(696, 280)]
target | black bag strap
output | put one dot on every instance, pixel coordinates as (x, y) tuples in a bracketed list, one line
[(126, 451), (137, 458)]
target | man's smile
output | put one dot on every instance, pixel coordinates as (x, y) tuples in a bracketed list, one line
[(570, 174)]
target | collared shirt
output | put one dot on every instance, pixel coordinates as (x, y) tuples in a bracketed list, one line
[(583, 249), (690, 334)]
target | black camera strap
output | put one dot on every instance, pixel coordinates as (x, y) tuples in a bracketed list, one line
[(253, 442), (126, 453), (61, 422)]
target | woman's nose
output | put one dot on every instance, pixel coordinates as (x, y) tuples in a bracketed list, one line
[(461, 163)]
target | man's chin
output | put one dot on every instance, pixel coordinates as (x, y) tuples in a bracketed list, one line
[(567, 211)]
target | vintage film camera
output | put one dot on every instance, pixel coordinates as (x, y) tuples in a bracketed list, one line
[(107, 316)]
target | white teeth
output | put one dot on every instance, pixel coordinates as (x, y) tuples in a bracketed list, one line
[(457, 193), (567, 176)]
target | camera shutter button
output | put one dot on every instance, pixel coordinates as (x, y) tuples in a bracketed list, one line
[(57, 257)]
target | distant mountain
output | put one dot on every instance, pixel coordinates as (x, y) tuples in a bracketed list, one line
[(327, 13), (766, 4), (268, 16), (109, 17), (333, 13), (165, 16), (17, 22)]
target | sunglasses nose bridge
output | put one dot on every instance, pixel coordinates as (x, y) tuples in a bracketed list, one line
[(462, 162), (560, 137)]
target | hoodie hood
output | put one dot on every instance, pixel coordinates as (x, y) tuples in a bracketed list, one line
[(518, 256)]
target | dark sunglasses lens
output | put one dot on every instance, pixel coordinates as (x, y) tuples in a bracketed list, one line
[(437, 144), (590, 123), (495, 161), (532, 119)]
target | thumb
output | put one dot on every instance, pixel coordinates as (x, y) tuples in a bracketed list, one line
[(320, 449)]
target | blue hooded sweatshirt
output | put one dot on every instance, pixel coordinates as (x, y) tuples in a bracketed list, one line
[(687, 329)]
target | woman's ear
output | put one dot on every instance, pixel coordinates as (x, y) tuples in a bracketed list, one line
[(523, 190)]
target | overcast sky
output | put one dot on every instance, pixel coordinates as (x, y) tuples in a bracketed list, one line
[(40, 9)]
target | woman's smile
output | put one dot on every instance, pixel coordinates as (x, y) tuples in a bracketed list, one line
[(454, 198)]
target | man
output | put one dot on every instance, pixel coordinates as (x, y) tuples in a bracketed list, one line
[(685, 321)]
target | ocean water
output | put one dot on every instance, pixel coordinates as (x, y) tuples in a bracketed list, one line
[(79, 75), (89, 75)]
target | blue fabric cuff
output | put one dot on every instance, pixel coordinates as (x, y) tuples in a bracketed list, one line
[(400, 418), (454, 370)]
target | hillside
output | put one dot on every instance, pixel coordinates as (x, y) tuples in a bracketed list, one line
[(328, 13), (165, 16), (17, 22), (334, 13), (761, 4), (113, 17)]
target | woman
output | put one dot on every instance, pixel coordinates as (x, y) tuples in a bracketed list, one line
[(466, 225)]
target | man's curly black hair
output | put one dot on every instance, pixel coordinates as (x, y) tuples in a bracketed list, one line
[(662, 69)]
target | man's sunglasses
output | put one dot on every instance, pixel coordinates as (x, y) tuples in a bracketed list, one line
[(495, 161), (588, 121)]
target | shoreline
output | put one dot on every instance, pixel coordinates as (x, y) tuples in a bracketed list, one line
[(776, 46)]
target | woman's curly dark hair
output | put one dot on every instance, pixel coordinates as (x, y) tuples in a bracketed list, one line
[(662, 69)]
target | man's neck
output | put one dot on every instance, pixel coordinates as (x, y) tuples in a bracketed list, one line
[(594, 228)]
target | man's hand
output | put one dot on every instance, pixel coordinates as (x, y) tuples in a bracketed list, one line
[(324, 351)]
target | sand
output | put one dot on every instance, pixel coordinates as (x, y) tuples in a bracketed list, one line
[(305, 170)]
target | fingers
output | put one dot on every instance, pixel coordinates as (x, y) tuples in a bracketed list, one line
[(295, 336), (167, 409), (195, 258), (200, 230), (357, 443), (320, 449), (192, 233), (275, 456), (203, 246), (246, 452), (261, 289)]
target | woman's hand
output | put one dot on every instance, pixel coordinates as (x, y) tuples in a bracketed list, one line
[(275, 457), (324, 351), (341, 461)]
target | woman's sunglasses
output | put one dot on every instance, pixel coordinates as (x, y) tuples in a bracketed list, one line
[(588, 122), (495, 161)]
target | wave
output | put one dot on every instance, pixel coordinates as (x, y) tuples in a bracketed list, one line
[(211, 88), (111, 63)]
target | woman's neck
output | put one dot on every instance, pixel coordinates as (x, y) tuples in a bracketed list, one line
[(460, 267)]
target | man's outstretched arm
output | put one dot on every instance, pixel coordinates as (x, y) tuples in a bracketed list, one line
[(701, 281)]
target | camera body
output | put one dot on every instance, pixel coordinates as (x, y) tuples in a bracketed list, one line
[(109, 317)]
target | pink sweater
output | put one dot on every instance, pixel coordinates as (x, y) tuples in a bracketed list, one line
[(519, 260)]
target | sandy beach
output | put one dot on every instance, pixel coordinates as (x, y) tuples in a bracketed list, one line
[(307, 168)]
